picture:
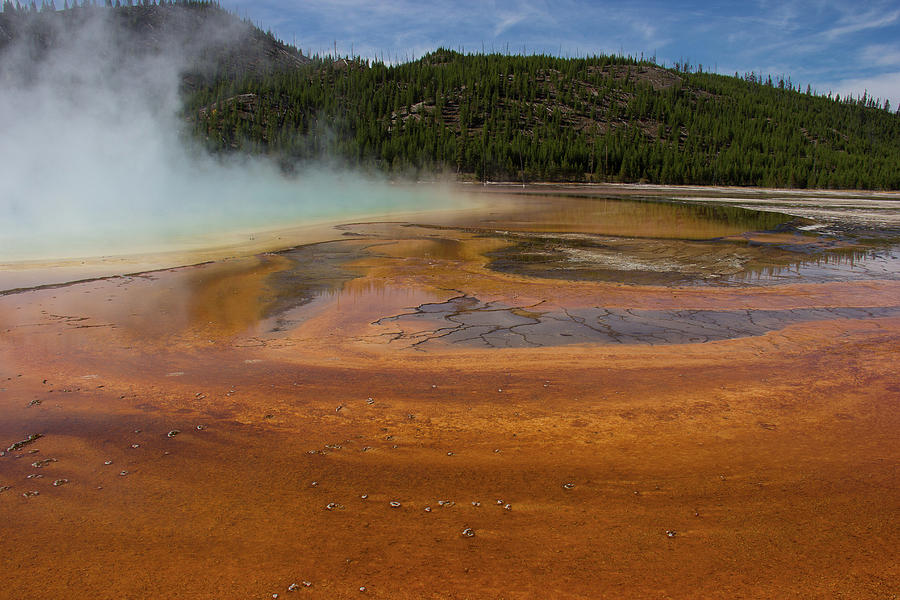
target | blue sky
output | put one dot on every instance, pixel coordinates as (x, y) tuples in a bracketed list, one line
[(833, 45)]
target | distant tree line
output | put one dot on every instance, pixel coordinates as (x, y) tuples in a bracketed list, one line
[(602, 118)]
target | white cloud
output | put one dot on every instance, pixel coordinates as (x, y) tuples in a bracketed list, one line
[(882, 55), (873, 19), (885, 86)]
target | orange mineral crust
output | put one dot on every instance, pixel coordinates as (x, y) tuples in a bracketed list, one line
[(387, 416)]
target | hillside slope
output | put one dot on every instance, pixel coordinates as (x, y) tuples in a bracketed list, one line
[(605, 118)]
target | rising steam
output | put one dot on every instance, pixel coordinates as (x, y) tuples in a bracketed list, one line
[(93, 160)]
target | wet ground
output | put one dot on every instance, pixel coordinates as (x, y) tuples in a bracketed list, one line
[(667, 400)]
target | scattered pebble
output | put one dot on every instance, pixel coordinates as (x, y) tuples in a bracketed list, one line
[(201, 427), (173, 433), (314, 483), (671, 533), (38, 464), (395, 504), (31, 493), (468, 532), (370, 401), (450, 454), (569, 486), (362, 588), (34, 476), (107, 462), (135, 445), (427, 509), (4, 488), (499, 502), (364, 496), (123, 473), (507, 507), (60, 482), (476, 503)]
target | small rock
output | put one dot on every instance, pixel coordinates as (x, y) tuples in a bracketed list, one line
[(38, 464), (314, 483), (362, 588), (307, 583), (107, 462), (173, 433), (427, 509), (34, 476), (499, 502), (468, 532), (4, 488), (476, 504), (395, 504), (123, 473), (370, 401), (507, 507), (201, 427), (60, 482), (364, 496), (569, 486), (31, 493), (135, 445), (671, 533), (28, 439)]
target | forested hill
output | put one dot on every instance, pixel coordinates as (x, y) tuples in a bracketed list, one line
[(206, 41), (519, 118), (541, 118)]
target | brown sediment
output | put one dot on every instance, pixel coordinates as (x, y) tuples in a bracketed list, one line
[(770, 456)]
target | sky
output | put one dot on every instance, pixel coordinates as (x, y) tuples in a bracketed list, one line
[(834, 46)]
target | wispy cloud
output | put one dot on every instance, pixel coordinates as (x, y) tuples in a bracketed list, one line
[(872, 19), (885, 55)]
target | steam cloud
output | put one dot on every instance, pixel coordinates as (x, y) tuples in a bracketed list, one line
[(92, 161)]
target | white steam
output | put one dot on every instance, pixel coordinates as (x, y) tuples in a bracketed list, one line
[(92, 161)]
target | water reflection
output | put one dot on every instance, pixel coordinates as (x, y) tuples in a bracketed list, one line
[(373, 270), (628, 218), (685, 262)]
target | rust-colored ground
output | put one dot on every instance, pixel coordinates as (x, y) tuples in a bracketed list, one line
[(774, 459)]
